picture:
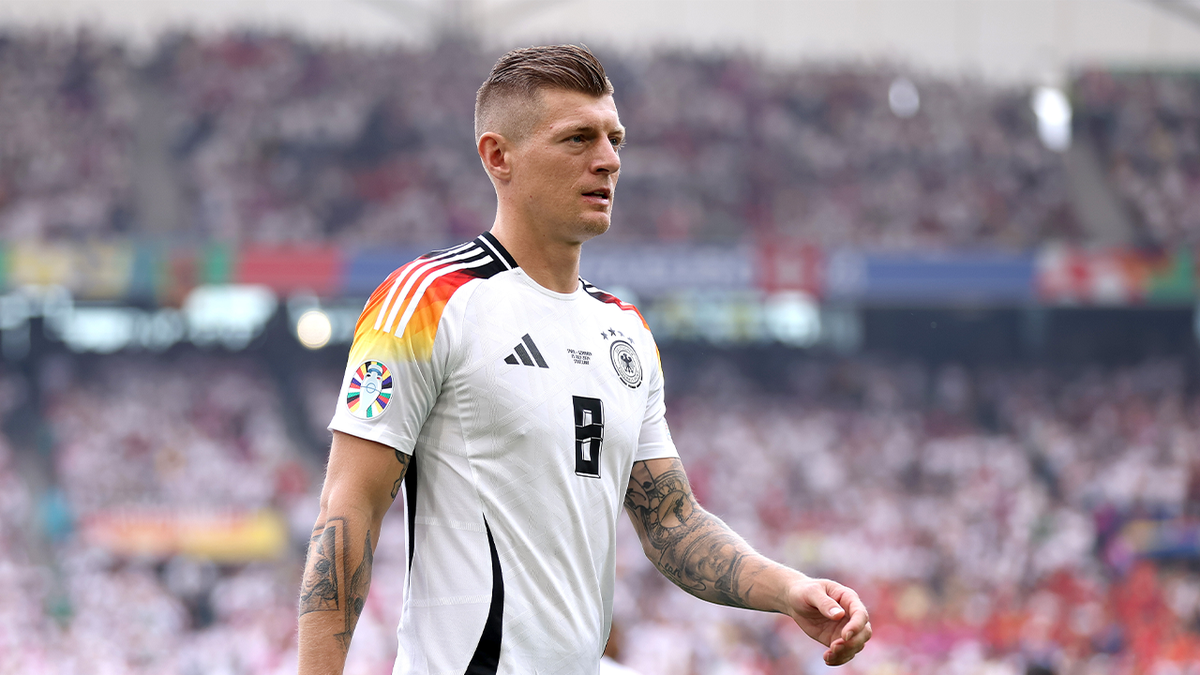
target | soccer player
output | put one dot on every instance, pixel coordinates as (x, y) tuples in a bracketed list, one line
[(521, 407)]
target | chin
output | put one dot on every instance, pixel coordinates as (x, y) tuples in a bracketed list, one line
[(592, 228)]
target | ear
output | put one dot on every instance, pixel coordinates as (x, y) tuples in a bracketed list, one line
[(494, 152)]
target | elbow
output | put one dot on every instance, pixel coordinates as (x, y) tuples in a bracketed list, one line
[(348, 502)]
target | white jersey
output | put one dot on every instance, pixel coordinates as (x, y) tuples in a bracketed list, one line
[(524, 410)]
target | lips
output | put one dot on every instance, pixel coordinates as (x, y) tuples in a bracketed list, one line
[(603, 194)]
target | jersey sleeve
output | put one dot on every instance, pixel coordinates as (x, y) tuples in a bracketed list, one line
[(655, 441), (397, 362)]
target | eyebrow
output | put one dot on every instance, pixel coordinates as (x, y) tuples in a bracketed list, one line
[(619, 131)]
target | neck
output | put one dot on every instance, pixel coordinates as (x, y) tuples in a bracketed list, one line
[(552, 263)]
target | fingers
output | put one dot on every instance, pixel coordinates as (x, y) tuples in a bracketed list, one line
[(856, 629), (859, 618), (842, 650), (831, 614)]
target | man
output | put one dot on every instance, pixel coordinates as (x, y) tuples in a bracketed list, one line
[(521, 407)]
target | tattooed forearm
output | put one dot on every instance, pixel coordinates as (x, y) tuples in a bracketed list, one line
[(403, 459), (690, 546), (325, 586), (356, 593), (319, 588)]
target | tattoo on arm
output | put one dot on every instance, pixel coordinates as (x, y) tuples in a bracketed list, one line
[(319, 588), (690, 546), (356, 593), (404, 460), (325, 588)]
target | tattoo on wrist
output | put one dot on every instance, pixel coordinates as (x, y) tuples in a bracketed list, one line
[(693, 548)]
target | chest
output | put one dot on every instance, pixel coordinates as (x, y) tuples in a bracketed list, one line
[(550, 380)]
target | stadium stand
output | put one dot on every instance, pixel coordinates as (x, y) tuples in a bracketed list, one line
[(67, 107), (999, 518), (274, 140), (1147, 128)]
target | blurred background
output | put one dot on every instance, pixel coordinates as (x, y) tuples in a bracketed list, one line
[(923, 273)]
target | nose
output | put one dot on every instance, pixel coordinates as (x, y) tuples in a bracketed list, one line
[(607, 159)]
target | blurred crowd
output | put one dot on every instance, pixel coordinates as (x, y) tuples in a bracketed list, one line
[(167, 438), (1147, 130), (67, 112), (258, 138), (996, 521)]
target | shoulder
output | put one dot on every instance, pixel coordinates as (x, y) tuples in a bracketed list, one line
[(610, 299), (414, 295)]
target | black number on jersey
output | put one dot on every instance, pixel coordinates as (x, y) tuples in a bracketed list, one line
[(589, 435)]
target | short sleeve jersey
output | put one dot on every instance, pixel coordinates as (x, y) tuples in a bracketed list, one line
[(524, 410)]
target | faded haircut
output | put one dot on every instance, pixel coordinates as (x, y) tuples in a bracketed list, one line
[(520, 74)]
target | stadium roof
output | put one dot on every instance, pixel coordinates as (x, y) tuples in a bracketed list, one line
[(1009, 40)]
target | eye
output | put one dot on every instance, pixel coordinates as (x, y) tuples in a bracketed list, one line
[(618, 142), (577, 138)]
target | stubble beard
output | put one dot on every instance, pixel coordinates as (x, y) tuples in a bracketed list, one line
[(593, 228), (589, 226)]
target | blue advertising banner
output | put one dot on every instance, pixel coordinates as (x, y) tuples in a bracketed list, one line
[(961, 277), (365, 269), (654, 269)]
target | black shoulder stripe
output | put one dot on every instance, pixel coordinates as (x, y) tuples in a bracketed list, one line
[(486, 660), (598, 294), (491, 268), (488, 240), (447, 252), (467, 257)]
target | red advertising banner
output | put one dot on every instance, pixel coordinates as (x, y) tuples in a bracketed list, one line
[(791, 267), (291, 269)]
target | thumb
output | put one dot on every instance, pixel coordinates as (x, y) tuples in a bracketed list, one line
[(828, 607)]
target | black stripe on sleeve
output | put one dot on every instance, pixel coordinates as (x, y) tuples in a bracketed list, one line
[(486, 660), (537, 356), (410, 502)]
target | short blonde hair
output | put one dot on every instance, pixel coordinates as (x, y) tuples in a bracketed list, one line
[(520, 74)]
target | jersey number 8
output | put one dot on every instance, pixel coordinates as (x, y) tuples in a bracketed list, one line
[(589, 435)]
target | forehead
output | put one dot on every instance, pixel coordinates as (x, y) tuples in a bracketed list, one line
[(564, 110)]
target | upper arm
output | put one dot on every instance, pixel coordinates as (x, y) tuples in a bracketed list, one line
[(393, 378), (363, 474)]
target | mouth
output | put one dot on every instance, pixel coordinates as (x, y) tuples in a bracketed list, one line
[(600, 195)]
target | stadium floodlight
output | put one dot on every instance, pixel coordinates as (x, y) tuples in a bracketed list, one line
[(903, 98), (231, 315), (793, 318), (100, 329), (1053, 112), (314, 329)]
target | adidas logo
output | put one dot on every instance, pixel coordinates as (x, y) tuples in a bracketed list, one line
[(526, 353)]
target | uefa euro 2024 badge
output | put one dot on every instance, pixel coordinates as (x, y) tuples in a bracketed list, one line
[(626, 362), (370, 390)]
